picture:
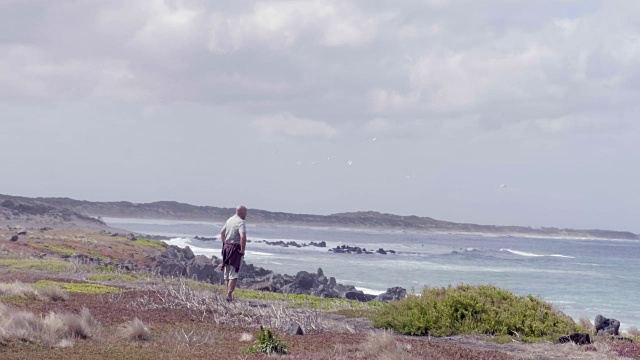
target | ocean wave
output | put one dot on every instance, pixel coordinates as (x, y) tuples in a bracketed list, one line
[(527, 254)]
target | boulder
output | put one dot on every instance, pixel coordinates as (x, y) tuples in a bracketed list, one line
[(188, 253), (14, 238), (358, 296), (381, 251), (606, 326), (295, 329), (202, 269), (265, 285), (304, 280), (394, 293), (576, 338), (22, 233), (171, 268)]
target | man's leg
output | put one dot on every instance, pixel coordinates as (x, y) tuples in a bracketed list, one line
[(230, 288), (233, 280)]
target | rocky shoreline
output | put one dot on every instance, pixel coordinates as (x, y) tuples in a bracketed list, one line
[(176, 261)]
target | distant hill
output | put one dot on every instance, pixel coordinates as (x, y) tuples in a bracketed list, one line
[(172, 210), (29, 213)]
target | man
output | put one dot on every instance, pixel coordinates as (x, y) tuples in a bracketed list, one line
[(234, 241)]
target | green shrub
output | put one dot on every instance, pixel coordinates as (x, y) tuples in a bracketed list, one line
[(267, 342), (466, 309)]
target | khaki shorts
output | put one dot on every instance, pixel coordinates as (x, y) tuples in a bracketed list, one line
[(230, 272)]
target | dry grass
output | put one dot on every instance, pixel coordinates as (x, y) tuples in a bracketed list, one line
[(53, 293), (18, 289), (51, 329), (193, 338), (587, 325), (246, 337), (383, 345), (135, 330), (211, 305)]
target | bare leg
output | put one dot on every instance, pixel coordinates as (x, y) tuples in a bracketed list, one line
[(231, 285)]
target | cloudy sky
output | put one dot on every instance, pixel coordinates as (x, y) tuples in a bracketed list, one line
[(504, 112)]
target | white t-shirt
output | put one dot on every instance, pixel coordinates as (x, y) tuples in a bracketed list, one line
[(232, 228)]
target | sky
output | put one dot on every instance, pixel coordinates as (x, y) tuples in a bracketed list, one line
[(500, 112)]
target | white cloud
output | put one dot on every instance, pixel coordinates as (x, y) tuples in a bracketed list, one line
[(285, 124), (280, 24), (28, 72)]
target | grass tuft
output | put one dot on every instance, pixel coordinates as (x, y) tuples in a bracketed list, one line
[(135, 330), (52, 329), (383, 345), (53, 293)]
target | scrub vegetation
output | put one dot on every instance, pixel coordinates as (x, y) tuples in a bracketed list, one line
[(469, 309)]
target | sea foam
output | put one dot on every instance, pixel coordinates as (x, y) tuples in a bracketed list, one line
[(527, 254)]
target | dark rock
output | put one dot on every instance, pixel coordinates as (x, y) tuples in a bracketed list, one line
[(172, 269), (131, 237), (200, 268), (304, 280), (14, 238), (394, 293), (358, 296), (606, 326), (320, 272), (202, 238), (577, 338), (381, 251), (188, 253), (622, 338), (295, 329), (265, 285), (332, 282), (22, 233)]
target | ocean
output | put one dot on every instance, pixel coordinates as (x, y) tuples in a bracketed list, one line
[(580, 277)]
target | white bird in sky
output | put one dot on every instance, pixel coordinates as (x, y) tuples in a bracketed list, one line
[(349, 162), (374, 139)]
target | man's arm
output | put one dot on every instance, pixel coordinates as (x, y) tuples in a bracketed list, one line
[(243, 242), (223, 235)]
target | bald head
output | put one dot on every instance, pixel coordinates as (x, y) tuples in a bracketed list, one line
[(241, 211)]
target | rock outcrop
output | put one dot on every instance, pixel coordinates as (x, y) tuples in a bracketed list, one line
[(606, 326), (175, 261), (576, 338)]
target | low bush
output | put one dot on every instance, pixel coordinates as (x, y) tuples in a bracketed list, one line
[(466, 309), (268, 342)]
